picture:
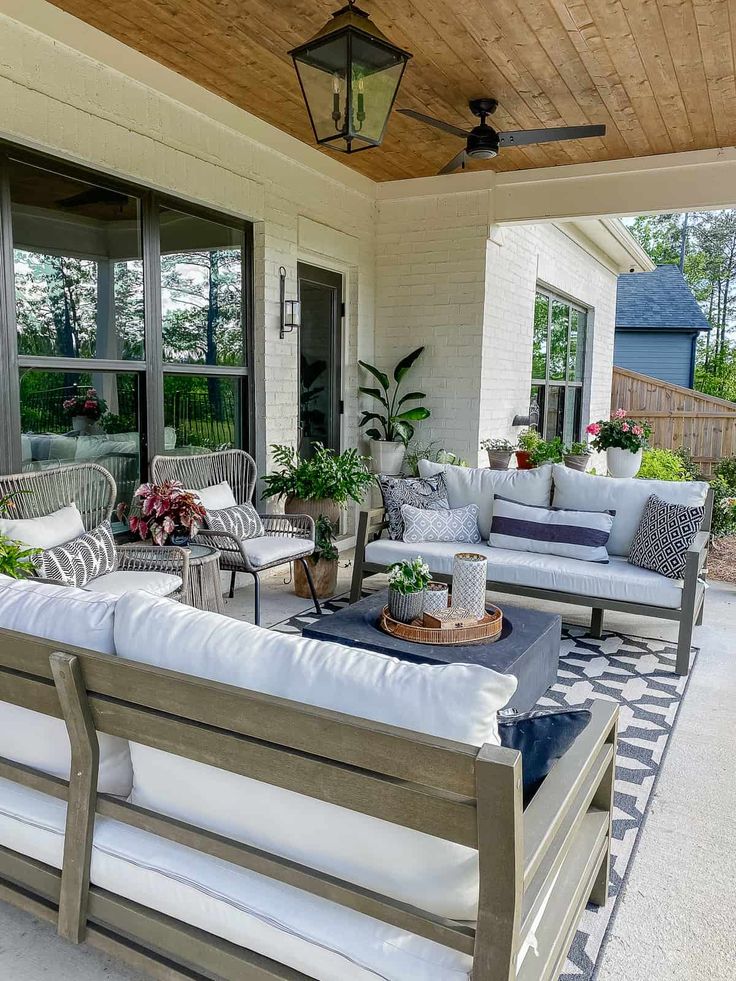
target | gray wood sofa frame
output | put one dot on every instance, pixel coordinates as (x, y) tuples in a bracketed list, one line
[(443, 788), (372, 523)]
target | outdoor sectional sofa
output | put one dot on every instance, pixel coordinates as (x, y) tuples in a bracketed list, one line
[(249, 805), (617, 585)]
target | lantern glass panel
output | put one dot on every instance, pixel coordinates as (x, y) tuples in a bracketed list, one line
[(376, 73), (322, 70)]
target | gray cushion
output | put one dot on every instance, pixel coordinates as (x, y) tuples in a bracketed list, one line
[(273, 549), (81, 560), (459, 525)]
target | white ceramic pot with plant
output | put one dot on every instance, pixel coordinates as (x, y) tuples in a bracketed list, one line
[(84, 409), (395, 423), (577, 456), (407, 582), (499, 453), (623, 440)]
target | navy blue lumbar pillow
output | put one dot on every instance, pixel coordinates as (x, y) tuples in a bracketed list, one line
[(542, 737)]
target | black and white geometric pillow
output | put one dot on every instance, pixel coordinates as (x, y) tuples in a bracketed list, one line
[(665, 533), (81, 560), (428, 493), (243, 521)]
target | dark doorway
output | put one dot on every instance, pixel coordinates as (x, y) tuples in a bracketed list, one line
[(320, 293)]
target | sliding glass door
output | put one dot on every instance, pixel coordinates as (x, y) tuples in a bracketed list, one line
[(320, 354)]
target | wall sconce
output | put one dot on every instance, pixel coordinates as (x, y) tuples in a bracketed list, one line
[(290, 309), (532, 419)]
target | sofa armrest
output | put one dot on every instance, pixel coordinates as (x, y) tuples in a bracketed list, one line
[(697, 554), (371, 522)]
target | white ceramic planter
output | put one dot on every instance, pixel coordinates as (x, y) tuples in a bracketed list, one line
[(387, 456), (622, 463), (469, 573), (81, 424), (436, 597)]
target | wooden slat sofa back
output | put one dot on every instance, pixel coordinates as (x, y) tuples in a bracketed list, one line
[(446, 789)]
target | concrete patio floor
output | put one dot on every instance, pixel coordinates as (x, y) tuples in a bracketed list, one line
[(675, 921)]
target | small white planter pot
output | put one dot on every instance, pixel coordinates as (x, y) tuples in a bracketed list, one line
[(622, 463), (81, 424), (387, 456)]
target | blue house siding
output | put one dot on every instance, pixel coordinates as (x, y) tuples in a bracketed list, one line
[(667, 355)]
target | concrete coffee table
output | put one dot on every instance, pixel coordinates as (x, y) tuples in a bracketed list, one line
[(528, 648)]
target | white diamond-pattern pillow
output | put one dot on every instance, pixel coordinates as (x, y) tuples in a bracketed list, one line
[(458, 525), (665, 533), (81, 560)]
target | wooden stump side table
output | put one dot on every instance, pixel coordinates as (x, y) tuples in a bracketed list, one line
[(204, 589)]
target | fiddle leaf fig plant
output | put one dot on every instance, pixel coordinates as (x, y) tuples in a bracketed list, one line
[(396, 422)]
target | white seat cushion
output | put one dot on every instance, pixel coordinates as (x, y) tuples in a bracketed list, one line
[(309, 934), (266, 549), (477, 485), (47, 531), (618, 580), (456, 701), (69, 616), (123, 581), (627, 496)]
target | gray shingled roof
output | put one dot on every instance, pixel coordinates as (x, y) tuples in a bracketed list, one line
[(657, 300)]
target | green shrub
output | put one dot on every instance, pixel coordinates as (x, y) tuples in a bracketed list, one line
[(724, 507), (663, 465), (726, 470)]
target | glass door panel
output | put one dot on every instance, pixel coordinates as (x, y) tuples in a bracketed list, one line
[(320, 294)]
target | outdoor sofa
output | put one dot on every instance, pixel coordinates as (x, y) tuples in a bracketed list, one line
[(249, 805), (616, 585)]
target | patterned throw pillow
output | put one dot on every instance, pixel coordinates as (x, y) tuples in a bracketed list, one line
[(459, 525), (81, 560), (427, 493), (665, 533), (551, 531), (242, 520)]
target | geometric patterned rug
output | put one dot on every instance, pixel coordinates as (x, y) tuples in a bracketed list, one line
[(638, 675)]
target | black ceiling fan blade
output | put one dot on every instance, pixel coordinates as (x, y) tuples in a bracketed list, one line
[(457, 161), (437, 123), (523, 137)]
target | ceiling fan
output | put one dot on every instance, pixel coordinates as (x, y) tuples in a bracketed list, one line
[(483, 141)]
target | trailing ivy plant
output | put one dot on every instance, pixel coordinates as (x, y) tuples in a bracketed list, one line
[(339, 477), (396, 423)]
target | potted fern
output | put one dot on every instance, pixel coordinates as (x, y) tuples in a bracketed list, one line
[(388, 443)]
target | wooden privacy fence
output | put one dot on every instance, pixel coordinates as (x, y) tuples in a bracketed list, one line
[(703, 424)]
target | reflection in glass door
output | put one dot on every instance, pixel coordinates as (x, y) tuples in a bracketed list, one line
[(320, 294)]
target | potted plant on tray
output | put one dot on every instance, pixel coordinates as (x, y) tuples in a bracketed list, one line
[(323, 562), (407, 582), (322, 484), (388, 444), (84, 409), (499, 453), (528, 439), (165, 513), (577, 456), (624, 441)]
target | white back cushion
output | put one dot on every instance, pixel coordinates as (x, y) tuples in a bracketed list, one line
[(457, 701), (627, 496), (217, 497), (68, 616), (477, 485), (46, 532)]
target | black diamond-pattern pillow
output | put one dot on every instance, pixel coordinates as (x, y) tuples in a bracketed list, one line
[(665, 533), (81, 560), (428, 493)]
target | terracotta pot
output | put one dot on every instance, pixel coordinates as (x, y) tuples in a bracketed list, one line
[(577, 461), (314, 507), (499, 459), (324, 577), (623, 463), (524, 460)]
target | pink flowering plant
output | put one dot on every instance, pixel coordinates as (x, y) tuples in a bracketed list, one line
[(158, 509), (88, 404), (619, 431)]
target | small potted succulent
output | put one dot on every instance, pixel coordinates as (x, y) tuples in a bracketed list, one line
[(84, 409), (624, 441), (321, 484), (388, 444), (165, 513), (323, 562), (577, 456), (547, 451), (499, 453), (407, 582), (528, 439)]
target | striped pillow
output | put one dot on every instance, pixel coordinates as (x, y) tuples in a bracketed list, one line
[(551, 531)]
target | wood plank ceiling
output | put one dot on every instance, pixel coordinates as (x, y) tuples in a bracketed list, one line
[(658, 73)]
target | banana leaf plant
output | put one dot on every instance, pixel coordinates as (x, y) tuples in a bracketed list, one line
[(395, 421)]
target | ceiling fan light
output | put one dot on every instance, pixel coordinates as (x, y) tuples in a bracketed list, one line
[(349, 74)]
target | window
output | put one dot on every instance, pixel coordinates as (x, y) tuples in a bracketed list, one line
[(558, 360), (117, 288)]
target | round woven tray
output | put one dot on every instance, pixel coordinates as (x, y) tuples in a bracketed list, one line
[(484, 631)]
